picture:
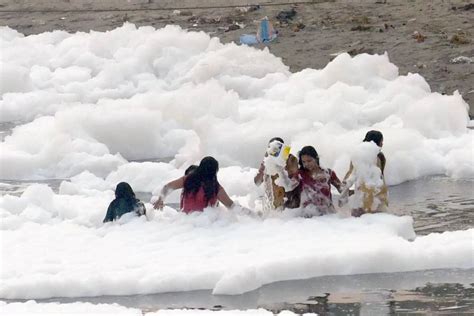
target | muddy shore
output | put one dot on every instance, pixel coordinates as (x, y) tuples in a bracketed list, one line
[(422, 37)]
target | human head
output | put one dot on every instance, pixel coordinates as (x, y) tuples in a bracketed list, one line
[(278, 139), (208, 167), (124, 190), (308, 158), (205, 176), (374, 136), (190, 169)]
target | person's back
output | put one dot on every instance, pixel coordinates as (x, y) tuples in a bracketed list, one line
[(369, 196), (282, 198), (124, 202), (200, 188), (197, 202), (375, 199)]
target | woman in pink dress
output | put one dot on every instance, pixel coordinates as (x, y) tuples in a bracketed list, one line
[(315, 182), (200, 188)]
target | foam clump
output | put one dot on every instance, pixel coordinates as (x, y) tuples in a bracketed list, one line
[(93, 101)]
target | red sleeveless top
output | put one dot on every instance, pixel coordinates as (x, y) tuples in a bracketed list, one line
[(196, 202)]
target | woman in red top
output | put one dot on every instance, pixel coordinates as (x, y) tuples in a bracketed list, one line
[(315, 182), (200, 188)]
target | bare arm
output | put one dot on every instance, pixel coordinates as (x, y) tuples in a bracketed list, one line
[(224, 198), (381, 161), (259, 177), (348, 174), (167, 189), (175, 184), (345, 186), (336, 182), (291, 179)]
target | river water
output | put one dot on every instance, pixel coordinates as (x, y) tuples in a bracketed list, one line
[(436, 203)]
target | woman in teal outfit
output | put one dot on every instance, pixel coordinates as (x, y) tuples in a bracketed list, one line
[(124, 202)]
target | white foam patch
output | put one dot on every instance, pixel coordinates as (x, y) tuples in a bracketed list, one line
[(58, 246), (94, 100), (34, 308)]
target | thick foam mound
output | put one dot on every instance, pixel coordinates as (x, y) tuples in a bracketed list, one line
[(33, 308), (93, 101)]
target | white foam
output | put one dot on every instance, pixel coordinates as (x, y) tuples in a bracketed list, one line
[(142, 93), (34, 308), (58, 246)]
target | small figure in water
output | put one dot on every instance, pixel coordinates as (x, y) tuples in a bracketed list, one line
[(276, 196), (124, 202), (200, 188), (315, 182), (367, 176)]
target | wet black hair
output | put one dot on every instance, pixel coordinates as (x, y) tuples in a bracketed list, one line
[(374, 136), (377, 138), (124, 191), (205, 176), (308, 151), (279, 139), (190, 169)]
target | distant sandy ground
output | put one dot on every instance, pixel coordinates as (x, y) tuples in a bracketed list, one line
[(420, 36)]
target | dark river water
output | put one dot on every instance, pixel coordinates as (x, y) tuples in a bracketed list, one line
[(433, 292)]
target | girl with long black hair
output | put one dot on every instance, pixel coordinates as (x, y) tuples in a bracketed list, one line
[(200, 188), (315, 182)]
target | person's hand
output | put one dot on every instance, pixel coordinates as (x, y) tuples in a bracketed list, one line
[(158, 205)]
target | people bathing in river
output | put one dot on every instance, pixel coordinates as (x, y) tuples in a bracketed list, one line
[(311, 185), (366, 174), (200, 188), (287, 186), (275, 194), (124, 202)]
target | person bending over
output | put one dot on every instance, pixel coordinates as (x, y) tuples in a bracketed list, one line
[(200, 188)]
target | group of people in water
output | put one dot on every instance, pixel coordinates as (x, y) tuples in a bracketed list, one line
[(300, 182)]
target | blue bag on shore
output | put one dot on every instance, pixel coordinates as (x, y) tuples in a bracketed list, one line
[(265, 34)]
